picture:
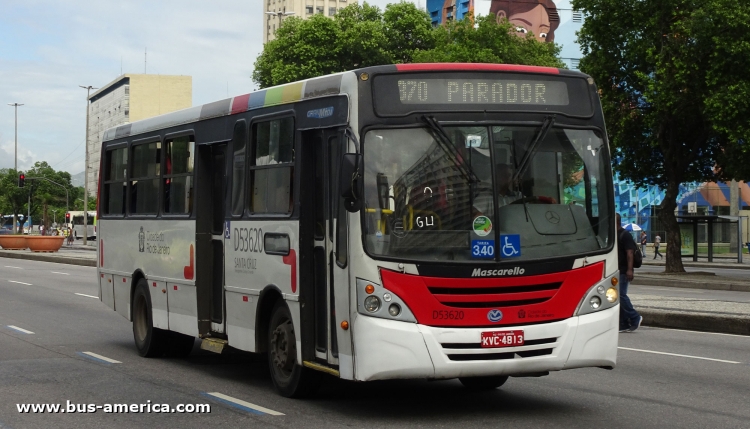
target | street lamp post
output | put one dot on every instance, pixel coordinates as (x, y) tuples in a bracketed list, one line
[(86, 168), (280, 14), (15, 153)]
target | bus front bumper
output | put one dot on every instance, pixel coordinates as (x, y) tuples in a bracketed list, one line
[(387, 349)]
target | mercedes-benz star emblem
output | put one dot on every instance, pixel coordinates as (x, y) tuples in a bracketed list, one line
[(552, 217)]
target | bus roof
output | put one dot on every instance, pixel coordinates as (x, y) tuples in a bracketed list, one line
[(303, 90)]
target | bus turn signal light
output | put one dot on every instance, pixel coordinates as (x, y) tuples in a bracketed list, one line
[(369, 289), (614, 281), (345, 325)]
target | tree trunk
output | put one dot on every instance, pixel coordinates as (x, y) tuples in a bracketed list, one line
[(672, 239)]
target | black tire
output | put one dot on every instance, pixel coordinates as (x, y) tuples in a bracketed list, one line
[(290, 379), (178, 345), (149, 341), (483, 383)]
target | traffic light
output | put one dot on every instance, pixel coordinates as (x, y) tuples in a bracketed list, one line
[(21, 180), (67, 217)]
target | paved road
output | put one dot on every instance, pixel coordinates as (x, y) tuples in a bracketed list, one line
[(695, 380)]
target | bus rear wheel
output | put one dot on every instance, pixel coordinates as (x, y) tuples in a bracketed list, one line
[(290, 379), (149, 341), (483, 383)]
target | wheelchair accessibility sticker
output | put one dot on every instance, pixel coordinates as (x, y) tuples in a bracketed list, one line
[(510, 245)]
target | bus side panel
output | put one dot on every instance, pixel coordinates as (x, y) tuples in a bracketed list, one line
[(249, 269), (164, 250), (122, 295), (241, 308), (106, 291), (159, 312), (183, 309)]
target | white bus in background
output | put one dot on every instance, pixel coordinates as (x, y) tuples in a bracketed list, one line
[(76, 223), (408, 221)]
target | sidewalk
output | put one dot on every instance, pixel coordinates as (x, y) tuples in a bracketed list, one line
[(77, 254)]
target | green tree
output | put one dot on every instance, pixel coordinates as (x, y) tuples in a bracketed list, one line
[(487, 41), (668, 99), (47, 197), (358, 36)]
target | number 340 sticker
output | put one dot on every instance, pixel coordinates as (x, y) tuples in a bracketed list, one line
[(483, 249)]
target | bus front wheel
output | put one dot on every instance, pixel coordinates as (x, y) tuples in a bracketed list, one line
[(289, 378), (148, 340), (483, 383)]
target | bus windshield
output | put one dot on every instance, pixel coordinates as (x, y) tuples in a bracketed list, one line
[(525, 198)]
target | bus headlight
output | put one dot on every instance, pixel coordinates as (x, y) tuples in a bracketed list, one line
[(374, 300), (394, 310), (595, 302), (611, 294), (372, 304)]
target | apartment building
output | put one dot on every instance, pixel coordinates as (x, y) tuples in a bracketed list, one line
[(130, 98), (275, 11)]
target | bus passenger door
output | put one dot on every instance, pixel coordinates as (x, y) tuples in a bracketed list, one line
[(210, 238), (326, 274)]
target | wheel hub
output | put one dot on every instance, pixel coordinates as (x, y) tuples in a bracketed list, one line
[(283, 347)]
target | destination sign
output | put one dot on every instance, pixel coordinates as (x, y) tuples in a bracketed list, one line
[(402, 94), (483, 91)]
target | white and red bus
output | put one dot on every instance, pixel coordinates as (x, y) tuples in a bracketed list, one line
[(428, 221)]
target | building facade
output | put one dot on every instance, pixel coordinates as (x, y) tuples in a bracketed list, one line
[(275, 11), (129, 98)]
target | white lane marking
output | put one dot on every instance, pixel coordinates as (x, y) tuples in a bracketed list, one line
[(20, 283), (242, 404), (100, 357), (57, 272), (16, 328), (18, 268), (701, 332), (87, 296), (679, 355)]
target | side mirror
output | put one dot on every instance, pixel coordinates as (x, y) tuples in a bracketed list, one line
[(351, 181)]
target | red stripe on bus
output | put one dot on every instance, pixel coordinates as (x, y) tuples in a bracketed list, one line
[(189, 271), (291, 259), (437, 301), (239, 104), (475, 67)]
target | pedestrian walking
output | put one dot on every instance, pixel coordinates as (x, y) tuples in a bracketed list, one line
[(630, 319), (657, 242), (644, 240)]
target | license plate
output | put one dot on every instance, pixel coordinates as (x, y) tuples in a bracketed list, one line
[(497, 339)]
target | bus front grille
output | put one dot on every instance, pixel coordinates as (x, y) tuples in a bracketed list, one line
[(494, 296)]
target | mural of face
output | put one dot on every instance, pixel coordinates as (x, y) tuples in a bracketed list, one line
[(538, 17)]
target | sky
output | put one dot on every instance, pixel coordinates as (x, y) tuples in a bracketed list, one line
[(48, 48)]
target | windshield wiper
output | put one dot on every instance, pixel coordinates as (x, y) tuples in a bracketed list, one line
[(445, 143), (531, 151)]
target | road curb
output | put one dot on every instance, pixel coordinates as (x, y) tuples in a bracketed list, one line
[(48, 257), (690, 284), (695, 321)]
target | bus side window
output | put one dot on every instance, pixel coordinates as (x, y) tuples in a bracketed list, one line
[(238, 168), (144, 184), (178, 175), (115, 182), (273, 167)]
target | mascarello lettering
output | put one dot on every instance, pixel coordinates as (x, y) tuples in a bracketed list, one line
[(515, 271)]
